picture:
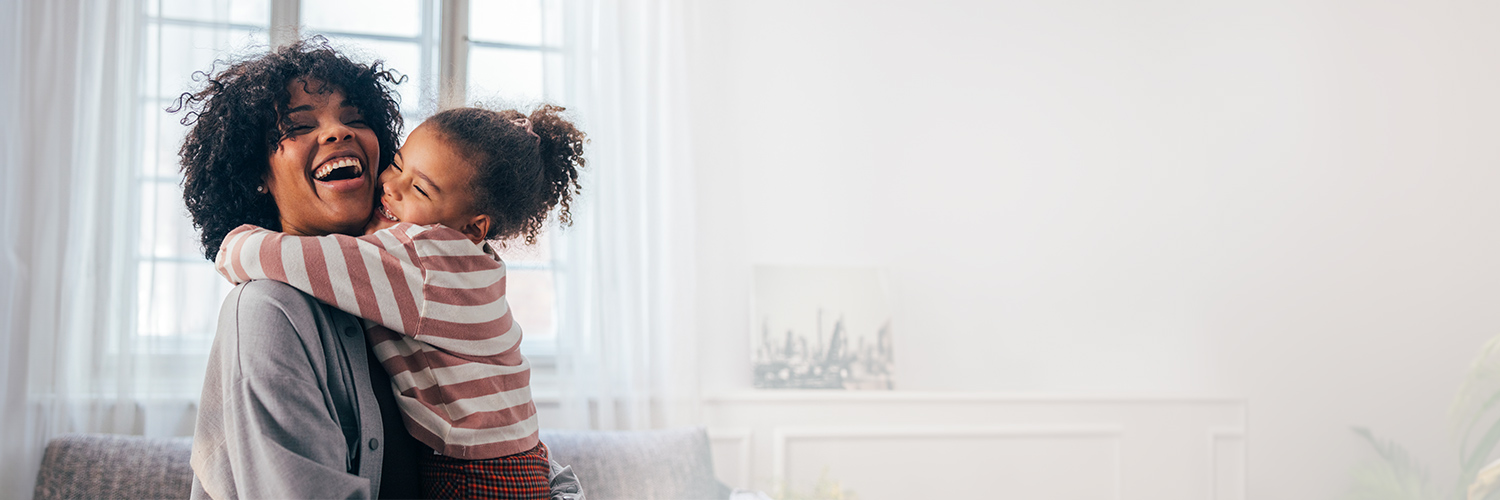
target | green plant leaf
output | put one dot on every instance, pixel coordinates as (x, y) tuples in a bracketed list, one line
[(1483, 380), (1395, 476), (1475, 459)]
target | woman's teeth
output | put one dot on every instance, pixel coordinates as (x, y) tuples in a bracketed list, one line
[(327, 169)]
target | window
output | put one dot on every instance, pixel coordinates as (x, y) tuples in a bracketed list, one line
[(403, 33), (179, 292), (505, 51)]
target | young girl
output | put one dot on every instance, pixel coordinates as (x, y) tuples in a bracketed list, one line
[(434, 290)]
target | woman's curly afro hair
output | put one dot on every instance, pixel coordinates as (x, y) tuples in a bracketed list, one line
[(238, 118), (521, 171)]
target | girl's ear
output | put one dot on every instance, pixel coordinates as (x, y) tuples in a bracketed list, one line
[(477, 228)]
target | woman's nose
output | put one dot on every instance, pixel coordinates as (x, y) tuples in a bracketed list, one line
[(340, 132)]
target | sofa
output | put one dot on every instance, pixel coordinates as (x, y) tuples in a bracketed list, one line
[(673, 464)]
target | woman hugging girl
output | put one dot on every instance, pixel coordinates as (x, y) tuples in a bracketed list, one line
[(425, 280)]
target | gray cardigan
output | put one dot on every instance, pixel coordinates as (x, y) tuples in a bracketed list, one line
[(288, 410)]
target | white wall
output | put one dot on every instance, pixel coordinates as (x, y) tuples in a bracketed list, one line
[(1291, 202)]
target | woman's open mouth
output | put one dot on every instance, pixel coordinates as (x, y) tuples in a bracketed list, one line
[(339, 169), (342, 174)]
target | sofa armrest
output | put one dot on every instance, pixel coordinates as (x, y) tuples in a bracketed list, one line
[(80, 466)]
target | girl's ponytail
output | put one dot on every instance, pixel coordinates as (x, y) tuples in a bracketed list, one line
[(561, 149), (525, 166)]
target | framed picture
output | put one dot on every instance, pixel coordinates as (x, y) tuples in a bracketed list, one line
[(821, 328)]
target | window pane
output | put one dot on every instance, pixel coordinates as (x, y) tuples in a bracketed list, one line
[(177, 364), (404, 57), (184, 50), (517, 252), (151, 76), (163, 133), (256, 12), (166, 231), (530, 295), (506, 21), (384, 17), (504, 77), (179, 298)]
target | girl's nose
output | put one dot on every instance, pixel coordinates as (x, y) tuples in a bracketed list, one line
[(390, 190)]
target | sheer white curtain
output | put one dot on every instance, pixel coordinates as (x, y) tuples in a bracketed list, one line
[(69, 121), (626, 344)]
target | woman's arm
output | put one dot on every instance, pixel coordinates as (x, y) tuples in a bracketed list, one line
[(427, 282)]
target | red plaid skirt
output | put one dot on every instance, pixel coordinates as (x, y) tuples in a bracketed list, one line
[(522, 476)]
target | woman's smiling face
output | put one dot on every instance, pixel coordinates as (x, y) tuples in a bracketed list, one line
[(322, 176)]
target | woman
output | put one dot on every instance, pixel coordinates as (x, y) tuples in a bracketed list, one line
[(294, 405)]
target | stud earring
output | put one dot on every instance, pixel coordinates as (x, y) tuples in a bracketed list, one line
[(261, 189)]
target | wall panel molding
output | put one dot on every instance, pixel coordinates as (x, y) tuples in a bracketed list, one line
[(840, 396), (1230, 455), (1131, 447), (781, 436)]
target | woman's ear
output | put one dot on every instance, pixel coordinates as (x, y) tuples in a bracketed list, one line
[(477, 228)]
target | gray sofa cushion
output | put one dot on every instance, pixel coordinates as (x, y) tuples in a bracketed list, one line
[(675, 464), (624, 465), (87, 466)]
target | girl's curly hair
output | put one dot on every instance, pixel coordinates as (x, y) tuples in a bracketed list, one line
[(521, 174), (239, 116)]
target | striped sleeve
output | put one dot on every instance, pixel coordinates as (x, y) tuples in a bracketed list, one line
[(464, 311), (427, 282), (376, 277)]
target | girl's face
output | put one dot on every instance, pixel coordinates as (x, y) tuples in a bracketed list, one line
[(322, 176), (429, 184)]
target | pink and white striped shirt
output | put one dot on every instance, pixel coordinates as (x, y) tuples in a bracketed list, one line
[(441, 325)]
